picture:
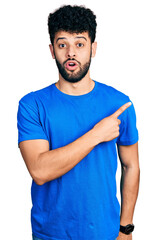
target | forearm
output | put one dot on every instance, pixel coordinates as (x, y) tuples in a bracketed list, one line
[(55, 163), (129, 193)]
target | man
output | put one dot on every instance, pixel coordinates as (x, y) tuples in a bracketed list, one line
[(68, 134)]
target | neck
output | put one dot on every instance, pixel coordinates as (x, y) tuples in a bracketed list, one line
[(84, 86)]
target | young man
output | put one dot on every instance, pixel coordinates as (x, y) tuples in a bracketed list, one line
[(68, 134)]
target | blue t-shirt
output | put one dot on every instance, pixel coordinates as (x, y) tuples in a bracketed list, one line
[(81, 204)]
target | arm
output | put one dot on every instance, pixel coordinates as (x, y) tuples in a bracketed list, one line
[(44, 165), (129, 181)]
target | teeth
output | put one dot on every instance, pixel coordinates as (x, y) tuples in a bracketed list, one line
[(71, 64)]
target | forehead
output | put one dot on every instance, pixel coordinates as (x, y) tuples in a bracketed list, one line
[(71, 36)]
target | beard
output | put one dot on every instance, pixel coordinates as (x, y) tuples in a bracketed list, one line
[(74, 77)]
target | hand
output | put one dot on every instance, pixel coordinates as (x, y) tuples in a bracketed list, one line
[(124, 236), (108, 128)]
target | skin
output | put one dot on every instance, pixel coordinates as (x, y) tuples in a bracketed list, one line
[(45, 165), (129, 184), (71, 49)]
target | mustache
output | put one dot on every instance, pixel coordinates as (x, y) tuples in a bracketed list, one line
[(72, 59)]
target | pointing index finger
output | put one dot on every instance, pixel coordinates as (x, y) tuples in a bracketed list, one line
[(122, 109)]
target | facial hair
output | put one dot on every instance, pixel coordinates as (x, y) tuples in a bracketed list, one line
[(73, 77)]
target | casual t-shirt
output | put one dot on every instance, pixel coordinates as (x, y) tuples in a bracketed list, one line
[(81, 204)]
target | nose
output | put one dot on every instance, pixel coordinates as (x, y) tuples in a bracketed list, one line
[(70, 52)]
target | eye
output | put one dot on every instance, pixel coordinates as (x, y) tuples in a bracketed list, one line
[(80, 45), (62, 45)]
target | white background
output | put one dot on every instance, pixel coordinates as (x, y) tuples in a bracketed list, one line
[(126, 59)]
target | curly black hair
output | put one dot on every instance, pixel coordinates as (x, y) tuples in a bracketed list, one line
[(73, 19)]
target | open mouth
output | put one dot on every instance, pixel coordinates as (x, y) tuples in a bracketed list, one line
[(71, 65)]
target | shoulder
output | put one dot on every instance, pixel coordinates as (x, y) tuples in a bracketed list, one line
[(32, 98), (112, 94)]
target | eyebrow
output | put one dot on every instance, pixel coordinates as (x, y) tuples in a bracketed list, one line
[(60, 38), (81, 37)]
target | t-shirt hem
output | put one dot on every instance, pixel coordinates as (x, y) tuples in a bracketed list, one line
[(46, 238), (114, 236), (128, 142), (32, 138)]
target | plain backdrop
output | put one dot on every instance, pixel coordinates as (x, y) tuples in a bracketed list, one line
[(126, 59)]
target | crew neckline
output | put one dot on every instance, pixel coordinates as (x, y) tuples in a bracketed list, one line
[(76, 96)]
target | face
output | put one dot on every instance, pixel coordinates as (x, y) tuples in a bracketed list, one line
[(72, 53)]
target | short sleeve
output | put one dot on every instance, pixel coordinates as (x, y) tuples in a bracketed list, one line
[(28, 122), (128, 130)]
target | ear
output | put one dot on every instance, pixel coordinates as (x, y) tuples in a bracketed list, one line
[(52, 51), (94, 47)]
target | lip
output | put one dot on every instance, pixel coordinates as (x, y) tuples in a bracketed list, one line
[(71, 68)]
